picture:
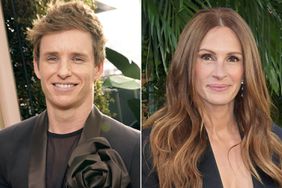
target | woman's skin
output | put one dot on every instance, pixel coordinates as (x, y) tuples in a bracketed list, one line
[(219, 72)]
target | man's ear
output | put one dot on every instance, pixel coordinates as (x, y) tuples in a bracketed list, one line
[(36, 68), (98, 70)]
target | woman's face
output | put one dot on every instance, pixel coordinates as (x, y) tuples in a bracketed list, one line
[(219, 67)]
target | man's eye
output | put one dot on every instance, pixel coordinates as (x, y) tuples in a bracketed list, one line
[(233, 59), (207, 57), (78, 59), (52, 58)]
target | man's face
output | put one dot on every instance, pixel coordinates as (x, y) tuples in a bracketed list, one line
[(67, 69)]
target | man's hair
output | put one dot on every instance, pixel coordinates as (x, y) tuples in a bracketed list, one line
[(67, 16)]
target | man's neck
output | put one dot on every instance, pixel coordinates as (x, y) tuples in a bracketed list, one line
[(63, 121)]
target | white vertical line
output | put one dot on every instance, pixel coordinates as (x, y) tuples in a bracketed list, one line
[(8, 96)]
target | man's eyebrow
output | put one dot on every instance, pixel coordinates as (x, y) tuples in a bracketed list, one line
[(50, 53), (79, 54)]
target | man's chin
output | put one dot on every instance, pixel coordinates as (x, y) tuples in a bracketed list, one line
[(61, 104)]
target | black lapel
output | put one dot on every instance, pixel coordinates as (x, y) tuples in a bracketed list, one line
[(37, 160), (267, 181), (209, 170), (256, 183), (211, 176), (92, 126)]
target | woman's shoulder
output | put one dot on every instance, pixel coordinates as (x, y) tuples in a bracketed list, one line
[(149, 175), (146, 133), (277, 130), (146, 141)]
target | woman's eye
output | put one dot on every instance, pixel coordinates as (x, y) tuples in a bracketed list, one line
[(233, 59), (207, 57)]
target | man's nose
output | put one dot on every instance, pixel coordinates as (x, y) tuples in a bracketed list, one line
[(64, 70)]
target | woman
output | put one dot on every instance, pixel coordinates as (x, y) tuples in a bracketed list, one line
[(215, 129)]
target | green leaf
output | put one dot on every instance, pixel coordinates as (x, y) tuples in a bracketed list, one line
[(123, 82), (129, 69)]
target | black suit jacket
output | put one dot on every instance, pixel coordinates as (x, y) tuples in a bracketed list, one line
[(207, 166), (23, 149)]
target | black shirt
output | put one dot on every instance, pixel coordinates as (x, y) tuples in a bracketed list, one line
[(59, 149)]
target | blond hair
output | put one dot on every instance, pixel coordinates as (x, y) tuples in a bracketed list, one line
[(67, 16)]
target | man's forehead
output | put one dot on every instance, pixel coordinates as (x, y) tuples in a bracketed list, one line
[(72, 41)]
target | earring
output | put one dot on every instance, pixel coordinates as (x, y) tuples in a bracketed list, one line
[(242, 88)]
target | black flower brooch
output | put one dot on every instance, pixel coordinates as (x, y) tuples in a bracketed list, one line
[(95, 164)]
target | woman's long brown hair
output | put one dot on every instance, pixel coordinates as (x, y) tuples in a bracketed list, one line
[(177, 142)]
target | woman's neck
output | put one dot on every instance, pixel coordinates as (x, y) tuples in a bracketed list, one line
[(220, 120)]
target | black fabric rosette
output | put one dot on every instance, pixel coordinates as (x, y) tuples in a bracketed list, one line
[(95, 164)]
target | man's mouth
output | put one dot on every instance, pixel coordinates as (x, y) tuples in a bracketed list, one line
[(64, 85)]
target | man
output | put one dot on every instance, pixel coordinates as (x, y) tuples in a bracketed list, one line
[(71, 144)]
